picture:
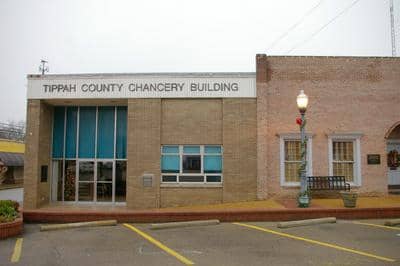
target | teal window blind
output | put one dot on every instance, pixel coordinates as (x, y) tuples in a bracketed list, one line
[(105, 132), (212, 159), (170, 149), (212, 149), (70, 132), (87, 131), (212, 163), (170, 163), (191, 149), (111, 134), (121, 132), (58, 132)]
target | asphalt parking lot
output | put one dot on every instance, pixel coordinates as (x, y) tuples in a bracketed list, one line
[(253, 243)]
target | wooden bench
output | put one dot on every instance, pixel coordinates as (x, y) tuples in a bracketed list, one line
[(327, 183)]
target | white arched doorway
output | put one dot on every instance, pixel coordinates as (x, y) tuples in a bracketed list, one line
[(393, 158)]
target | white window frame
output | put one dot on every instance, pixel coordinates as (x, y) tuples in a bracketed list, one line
[(294, 136), (181, 173), (356, 139)]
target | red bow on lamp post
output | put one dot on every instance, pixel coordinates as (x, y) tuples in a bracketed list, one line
[(299, 121)]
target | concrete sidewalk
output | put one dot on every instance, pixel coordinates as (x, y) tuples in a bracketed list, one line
[(268, 210), (362, 202)]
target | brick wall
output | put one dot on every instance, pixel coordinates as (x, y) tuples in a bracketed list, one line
[(152, 123), (345, 95), (227, 122), (191, 121), (46, 117), (178, 196), (37, 153), (143, 147), (240, 149)]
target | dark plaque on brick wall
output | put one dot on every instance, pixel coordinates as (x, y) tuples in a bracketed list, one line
[(43, 173), (374, 158)]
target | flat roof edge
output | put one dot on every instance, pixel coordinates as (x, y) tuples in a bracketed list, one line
[(159, 74), (333, 56)]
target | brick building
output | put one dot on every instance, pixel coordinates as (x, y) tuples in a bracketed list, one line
[(353, 112), (159, 140)]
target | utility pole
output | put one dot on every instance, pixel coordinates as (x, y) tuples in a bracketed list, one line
[(44, 66), (392, 29)]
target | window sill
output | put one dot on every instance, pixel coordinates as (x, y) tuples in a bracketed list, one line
[(188, 185), (291, 185), (354, 185)]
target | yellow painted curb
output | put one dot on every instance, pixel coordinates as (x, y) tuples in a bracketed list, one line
[(378, 225), (17, 250)]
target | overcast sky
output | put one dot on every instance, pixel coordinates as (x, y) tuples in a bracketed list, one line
[(78, 36)]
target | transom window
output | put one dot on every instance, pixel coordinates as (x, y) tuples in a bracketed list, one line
[(191, 164)]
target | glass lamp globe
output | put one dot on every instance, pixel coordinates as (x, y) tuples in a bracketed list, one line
[(302, 102)]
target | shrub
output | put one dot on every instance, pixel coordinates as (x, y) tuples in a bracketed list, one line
[(11, 203), (8, 210)]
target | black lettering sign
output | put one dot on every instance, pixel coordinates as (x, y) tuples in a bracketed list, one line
[(374, 158), (155, 87)]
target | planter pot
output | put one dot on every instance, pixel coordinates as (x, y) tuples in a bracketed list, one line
[(304, 201), (349, 199), (12, 228)]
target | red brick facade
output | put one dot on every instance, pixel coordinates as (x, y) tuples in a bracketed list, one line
[(347, 95)]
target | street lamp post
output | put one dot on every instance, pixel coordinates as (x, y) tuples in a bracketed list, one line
[(302, 102)]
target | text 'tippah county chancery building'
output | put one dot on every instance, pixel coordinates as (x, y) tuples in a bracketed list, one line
[(170, 139)]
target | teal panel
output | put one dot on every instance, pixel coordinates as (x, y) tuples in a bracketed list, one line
[(121, 132), (170, 149), (87, 131), (70, 133), (212, 149), (58, 132), (191, 149), (105, 132), (170, 163), (212, 163)]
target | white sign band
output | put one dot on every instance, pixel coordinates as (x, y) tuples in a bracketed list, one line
[(149, 87)]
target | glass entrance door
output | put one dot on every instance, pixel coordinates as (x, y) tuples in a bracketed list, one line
[(86, 181), (104, 181), (89, 180), (95, 181)]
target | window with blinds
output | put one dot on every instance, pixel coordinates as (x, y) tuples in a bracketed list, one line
[(343, 159), (292, 160), (191, 164)]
